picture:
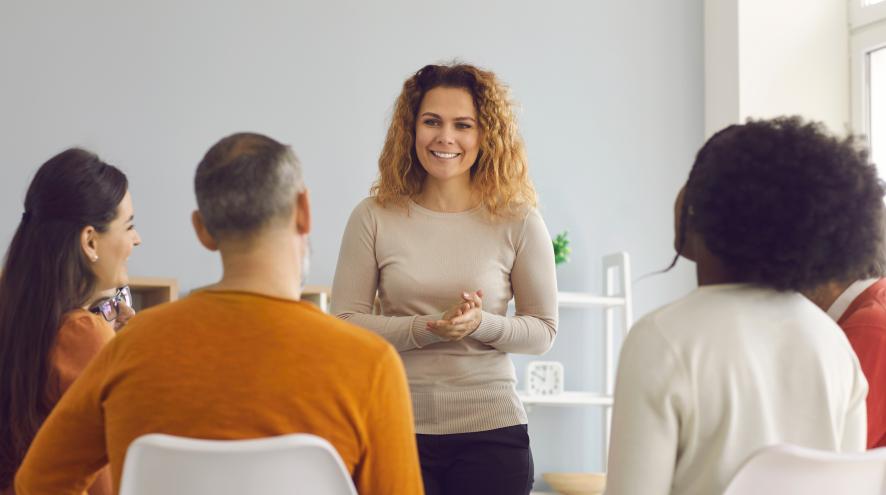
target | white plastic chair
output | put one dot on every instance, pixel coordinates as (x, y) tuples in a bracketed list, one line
[(294, 464), (793, 470)]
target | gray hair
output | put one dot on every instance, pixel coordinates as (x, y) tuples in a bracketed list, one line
[(245, 182)]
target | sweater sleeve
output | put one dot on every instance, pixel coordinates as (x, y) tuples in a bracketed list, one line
[(651, 397), (855, 428), (79, 340), (534, 282), (869, 343), (390, 464), (356, 282), (70, 446)]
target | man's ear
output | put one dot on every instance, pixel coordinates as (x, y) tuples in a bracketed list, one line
[(88, 243), (203, 234), (303, 213)]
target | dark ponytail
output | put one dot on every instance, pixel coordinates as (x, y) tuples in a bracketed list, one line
[(45, 275)]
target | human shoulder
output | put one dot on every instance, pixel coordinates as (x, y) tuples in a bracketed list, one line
[(869, 308), (81, 336), (353, 346), (869, 318), (521, 221), (171, 316), (718, 302), (80, 323), (369, 215), (517, 214), (648, 329), (168, 309), (370, 206), (366, 206), (679, 319), (652, 362), (532, 220), (356, 338), (82, 319)]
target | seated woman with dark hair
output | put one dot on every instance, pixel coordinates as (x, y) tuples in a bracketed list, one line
[(771, 208), (58, 293)]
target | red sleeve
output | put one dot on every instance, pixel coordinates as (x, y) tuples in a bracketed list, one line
[(869, 342)]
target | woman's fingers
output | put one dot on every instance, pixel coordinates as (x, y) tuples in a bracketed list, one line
[(461, 319), (466, 318), (459, 309), (475, 298), (449, 330)]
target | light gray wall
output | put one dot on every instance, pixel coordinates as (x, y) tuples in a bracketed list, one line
[(612, 98)]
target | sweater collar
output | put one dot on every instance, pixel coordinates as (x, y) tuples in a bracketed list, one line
[(841, 304)]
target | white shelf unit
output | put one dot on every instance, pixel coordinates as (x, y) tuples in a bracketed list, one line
[(318, 295), (616, 298)]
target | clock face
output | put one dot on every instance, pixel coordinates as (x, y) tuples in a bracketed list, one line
[(544, 378)]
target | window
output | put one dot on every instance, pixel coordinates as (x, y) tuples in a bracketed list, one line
[(877, 109), (868, 65), (864, 12)]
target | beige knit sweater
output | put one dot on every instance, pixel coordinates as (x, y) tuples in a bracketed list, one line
[(419, 262)]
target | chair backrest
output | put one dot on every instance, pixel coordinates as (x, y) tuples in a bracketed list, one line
[(790, 470), (159, 464)]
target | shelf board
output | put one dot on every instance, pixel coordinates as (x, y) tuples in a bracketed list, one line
[(584, 300), (566, 399), (151, 291), (318, 296), (154, 283)]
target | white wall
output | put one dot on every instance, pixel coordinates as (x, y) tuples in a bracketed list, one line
[(768, 58), (794, 59), (612, 113), (721, 45)]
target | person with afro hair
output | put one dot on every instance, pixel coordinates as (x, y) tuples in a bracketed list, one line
[(771, 208)]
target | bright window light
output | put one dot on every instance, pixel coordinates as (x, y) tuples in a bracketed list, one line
[(878, 108), (868, 3)]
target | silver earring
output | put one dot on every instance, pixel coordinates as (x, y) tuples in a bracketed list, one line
[(94, 259)]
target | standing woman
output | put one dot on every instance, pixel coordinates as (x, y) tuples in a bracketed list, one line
[(448, 236), (68, 253)]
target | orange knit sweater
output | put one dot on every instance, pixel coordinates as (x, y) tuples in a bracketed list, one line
[(80, 338), (229, 365)]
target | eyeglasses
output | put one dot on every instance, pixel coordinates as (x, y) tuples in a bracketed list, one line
[(109, 307)]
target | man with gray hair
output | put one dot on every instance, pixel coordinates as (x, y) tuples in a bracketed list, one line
[(243, 358)]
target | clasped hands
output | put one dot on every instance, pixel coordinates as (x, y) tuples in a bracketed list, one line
[(460, 320)]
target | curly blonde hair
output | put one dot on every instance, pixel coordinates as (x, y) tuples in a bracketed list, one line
[(500, 174)]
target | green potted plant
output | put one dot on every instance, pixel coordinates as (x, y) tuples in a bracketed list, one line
[(561, 248)]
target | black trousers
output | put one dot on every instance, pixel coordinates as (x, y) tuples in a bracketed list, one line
[(486, 462)]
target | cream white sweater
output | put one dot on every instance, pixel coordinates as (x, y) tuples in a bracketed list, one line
[(705, 382), (419, 261)]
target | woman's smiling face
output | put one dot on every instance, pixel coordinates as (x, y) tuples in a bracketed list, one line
[(447, 134)]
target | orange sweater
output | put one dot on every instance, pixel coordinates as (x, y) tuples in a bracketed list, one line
[(80, 338), (230, 365)]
